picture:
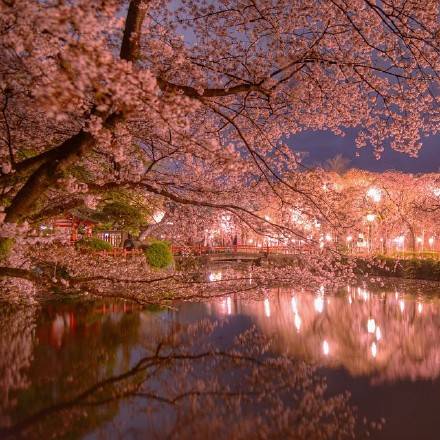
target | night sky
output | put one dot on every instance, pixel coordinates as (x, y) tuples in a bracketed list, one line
[(321, 146)]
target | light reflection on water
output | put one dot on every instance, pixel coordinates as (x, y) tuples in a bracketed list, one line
[(383, 335), (387, 335)]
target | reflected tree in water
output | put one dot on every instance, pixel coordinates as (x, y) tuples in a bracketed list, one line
[(17, 330), (178, 385)]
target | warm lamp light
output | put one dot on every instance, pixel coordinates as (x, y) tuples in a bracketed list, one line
[(374, 194), (158, 216)]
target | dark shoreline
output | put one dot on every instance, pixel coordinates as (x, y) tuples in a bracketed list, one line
[(413, 268)]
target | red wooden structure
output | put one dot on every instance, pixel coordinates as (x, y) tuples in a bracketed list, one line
[(204, 250), (251, 249), (70, 225)]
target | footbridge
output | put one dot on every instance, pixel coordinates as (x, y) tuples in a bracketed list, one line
[(233, 253)]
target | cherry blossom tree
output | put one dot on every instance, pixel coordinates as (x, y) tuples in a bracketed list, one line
[(193, 101)]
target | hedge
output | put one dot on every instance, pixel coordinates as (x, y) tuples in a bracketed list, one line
[(159, 255)]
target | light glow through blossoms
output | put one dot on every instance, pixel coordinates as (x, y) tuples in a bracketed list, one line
[(158, 216), (215, 276), (374, 194)]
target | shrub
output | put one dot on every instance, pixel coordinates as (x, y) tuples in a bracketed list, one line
[(5, 247), (159, 254), (94, 243)]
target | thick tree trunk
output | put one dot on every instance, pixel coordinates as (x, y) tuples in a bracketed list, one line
[(46, 175), (51, 164)]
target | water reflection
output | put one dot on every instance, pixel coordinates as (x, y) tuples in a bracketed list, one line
[(386, 334), (111, 372), (49, 356), (51, 353)]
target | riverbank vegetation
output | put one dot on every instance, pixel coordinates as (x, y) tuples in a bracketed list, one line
[(411, 268)]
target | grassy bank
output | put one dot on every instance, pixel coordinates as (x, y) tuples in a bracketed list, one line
[(411, 268)]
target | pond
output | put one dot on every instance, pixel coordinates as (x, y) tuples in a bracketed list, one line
[(87, 369)]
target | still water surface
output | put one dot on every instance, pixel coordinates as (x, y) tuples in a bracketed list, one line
[(382, 344)]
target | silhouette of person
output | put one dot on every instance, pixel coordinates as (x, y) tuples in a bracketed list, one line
[(128, 243)]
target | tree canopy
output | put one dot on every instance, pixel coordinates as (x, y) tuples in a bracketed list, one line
[(203, 89)]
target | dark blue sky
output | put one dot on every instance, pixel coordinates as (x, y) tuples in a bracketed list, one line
[(321, 146)]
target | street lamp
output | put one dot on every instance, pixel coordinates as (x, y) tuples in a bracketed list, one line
[(374, 194), (419, 240), (370, 220), (400, 241), (349, 240)]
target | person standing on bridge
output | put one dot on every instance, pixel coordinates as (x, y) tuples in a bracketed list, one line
[(235, 243)]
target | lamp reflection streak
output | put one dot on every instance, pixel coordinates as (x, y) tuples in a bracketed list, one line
[(351, 335), (266, 307)]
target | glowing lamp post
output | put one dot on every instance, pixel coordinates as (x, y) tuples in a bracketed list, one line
[(374, 194), (420, 240), (370, 220), (349, 240), (400, 241)]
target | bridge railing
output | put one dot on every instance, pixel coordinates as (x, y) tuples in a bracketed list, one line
[(205, 250)]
